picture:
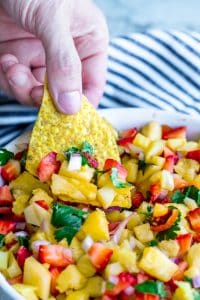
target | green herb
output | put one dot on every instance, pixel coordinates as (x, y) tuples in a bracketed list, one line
[(86, 147), (116, 181), (188, 279), (2, 238), (69, 219), (23, 241), (171, 233), (110, 286), (23, 159), (5, 155), (153, 243), (152, 287), (142, 165), (178, 197), (196, 295), (194, 193), (69, 151), (148, 214)]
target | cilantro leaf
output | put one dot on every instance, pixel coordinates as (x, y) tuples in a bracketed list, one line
[(2, 238), (69, 219), (23, 159), (152, 287), (188, 279), (110, 286), (153, 243), (23, 241), (178, 197), (116, 181), (69, 151), (171, 233), (196, 295), (194, 193), (5, 155), (86, 147), (142, 165)]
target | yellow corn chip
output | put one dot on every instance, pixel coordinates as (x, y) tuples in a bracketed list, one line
[(57, 132)]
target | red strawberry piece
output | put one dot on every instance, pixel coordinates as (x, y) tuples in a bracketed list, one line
[(141, 277), (7, 226), (168, 152), (179, 132), (128, 133), (22, 255), (123, 142), (43, 204), (55, 272), (169, 163), (106, 297), (5, 210), (146, 297), (125, 279), (179, 274), (194, 154), (15, 280), (184, 241), (6, 197), (137, 198), (11, 170), (112, 163), (194, 219), (99, 255), (155, 191), (55, 255), (48, 166)]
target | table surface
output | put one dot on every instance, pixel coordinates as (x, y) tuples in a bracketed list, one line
[(125, 16)]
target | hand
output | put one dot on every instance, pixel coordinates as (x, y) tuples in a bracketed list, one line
[(67, 39)]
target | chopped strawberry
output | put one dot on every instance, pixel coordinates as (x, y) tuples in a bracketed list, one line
[(22, 255), (5, 210), (6, 197), (106, 297), (7, 226), (15, 280), (112, 163), (125, 279), (179, 132), (113, 226), (128, 133), (155, 191), (194, 154), (142, 277), (146, 297), (48, 166), (137, 198), (43, 204), (55, 255), (169, 163), (179, 274), (55, 272), (184, 241), (168, 152), (11, 170), (194, 219), (123, 142), (163, 223), (99, 255), (19, 155)]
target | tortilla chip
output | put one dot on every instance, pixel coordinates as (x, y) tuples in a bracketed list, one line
[(54, 131)]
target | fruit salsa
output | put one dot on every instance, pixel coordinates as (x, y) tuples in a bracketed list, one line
[(129, 230)]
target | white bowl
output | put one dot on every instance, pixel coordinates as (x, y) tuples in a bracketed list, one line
[(120, 118)]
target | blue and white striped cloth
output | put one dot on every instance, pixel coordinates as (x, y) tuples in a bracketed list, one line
[(156, 69)]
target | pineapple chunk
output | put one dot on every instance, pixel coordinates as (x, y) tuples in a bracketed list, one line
[(113, 269), (78, 295), (37, 275), (159, 210), (96, 226), (132, 167), (157, 264), (152, 130), (85, 266), (35, 214), (70, 278), (134, 220), (157, 160), (187, 168), (141, 141), (103, 179), (4, 257), (114, 216), (85, 173), (193, 257), (94, 286), (21, 200), (13, 269), (189, 146), (192, 272), (144, 233), (167, 180), (170, 248), (127, 258), (27, 291), (190, 203), (155, 148), (123, 197), (105, 196), (176, 144), (77, 250), (183, 291), (149, 170), (89, 190), (196, 181), (39, 194)]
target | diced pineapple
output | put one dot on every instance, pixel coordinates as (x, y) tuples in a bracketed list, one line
[(27, 291), (114, 216), (123, 197), (144, 233), (125, 235), (4, 257), (78, 295), (152, 130), (141, 141), (132, 167), (170, 247), (96, 226), (77, 250), (85, 266), (127, 258), (189, 146), (37, 275), (35, 214), (155, 148), (85, 173), (134, 220), (196, 181), (105, 196), (167, 181), (159, 210), (113, 269), (21, 200), (70, 278), (89, 190), (157, 264), (183, 291), (94, 286), (176, 144), (157, 160), (103, 179), (193, 257), (190, 203), (143, 209), (192, 272), (13, 269), (39, 194), (149, 170), (187, 168)]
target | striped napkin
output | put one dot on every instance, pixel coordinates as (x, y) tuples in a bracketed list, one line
[(156, 69)]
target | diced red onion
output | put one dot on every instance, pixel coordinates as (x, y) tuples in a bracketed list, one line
[(36, 245), (20, 226), (129, 290), (87, 243), (196, 282), (21, 233), (113, 208), (113, 279), (118, 232), (162, 195), (176, 260), (75, 162)]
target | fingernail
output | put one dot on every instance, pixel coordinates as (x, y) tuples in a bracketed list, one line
[(69, 103), (20, 80), (6, 65)]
